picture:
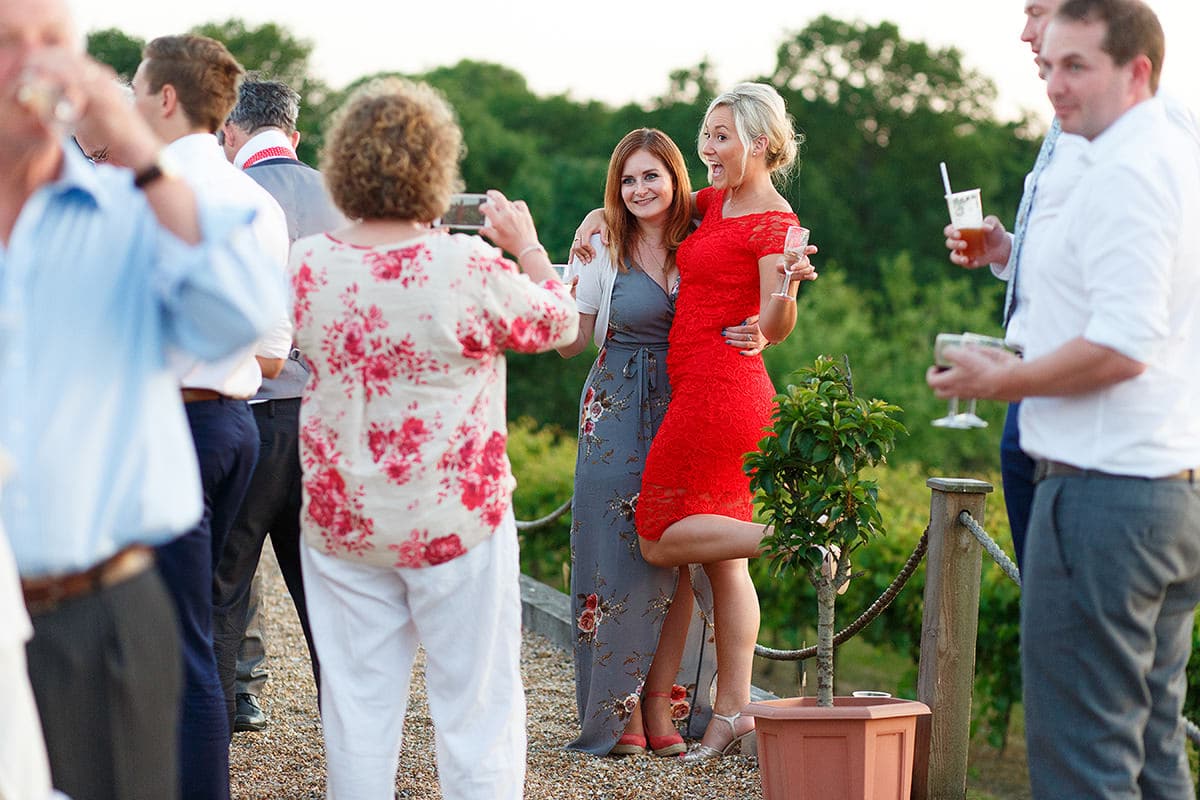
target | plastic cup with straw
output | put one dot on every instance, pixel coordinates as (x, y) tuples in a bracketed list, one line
[(966, 215)]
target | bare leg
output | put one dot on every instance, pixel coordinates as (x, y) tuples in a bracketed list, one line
[(635, 725), (736, 618), (704, 539), (672, 640)]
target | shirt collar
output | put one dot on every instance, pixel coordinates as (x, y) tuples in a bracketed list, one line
[(271, 137), (78, 173), (196, 148)]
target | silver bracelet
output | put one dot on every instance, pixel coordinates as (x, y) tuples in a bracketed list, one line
[(531, 248)]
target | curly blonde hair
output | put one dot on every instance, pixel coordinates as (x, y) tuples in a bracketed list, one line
[(393, 152)]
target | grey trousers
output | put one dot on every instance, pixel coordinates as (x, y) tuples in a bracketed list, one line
[(1112, 579), (107, 673), (252, 653)]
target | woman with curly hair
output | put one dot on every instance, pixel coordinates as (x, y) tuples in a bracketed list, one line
[(409, 537)]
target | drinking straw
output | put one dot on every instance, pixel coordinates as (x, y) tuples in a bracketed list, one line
[(945, 177)]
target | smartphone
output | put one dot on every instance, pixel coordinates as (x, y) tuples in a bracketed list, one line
[(464, 212)]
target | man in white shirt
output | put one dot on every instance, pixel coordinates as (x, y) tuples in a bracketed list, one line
[(1113, 559), (185, 88), (1047, 187)]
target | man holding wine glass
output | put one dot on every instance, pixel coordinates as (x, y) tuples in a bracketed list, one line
[(1112, 339), (1047, 187)]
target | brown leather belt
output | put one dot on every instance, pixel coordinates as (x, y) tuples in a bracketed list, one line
[(1046, 468), (197, 395), (44, 594)]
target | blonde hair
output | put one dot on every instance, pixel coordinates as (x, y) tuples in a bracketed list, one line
[(393, 152), (758, 110)]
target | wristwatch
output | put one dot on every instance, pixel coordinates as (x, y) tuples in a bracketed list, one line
[(163, 166)]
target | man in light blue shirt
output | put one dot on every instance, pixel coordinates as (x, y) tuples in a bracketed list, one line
[(101, 271)]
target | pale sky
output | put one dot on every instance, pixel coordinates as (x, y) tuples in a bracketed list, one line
[(624, 50)]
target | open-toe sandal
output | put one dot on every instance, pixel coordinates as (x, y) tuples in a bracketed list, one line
[(744, 743)]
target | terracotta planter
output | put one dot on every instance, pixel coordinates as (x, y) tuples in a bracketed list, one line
[(861, 749)]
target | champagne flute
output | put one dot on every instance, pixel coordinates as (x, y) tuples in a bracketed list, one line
[(953, 418), (793, 250)]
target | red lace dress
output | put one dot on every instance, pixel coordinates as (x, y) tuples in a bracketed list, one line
[(720, 399)]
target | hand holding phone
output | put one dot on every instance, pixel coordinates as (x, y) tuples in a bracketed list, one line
[(464, 212)]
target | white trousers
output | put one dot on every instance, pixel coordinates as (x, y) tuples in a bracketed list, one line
[(367, 622), (24, 771)]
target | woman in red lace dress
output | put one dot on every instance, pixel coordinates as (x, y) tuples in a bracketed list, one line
[(695, 505)]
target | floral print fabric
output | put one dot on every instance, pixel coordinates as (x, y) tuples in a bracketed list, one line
[(619, 601), (403, 430)]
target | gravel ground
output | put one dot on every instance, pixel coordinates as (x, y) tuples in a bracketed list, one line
[(285, 762)]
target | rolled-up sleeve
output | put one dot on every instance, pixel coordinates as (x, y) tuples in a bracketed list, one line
[(1130, 238)]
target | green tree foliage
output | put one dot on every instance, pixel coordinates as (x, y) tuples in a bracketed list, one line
[(807, 478), (888, 333), (117, 49), (880, 112)]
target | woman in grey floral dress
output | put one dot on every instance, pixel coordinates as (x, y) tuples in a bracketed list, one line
[(625, 610)]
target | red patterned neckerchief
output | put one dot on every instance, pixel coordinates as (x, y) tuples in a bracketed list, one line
[(270, 152)]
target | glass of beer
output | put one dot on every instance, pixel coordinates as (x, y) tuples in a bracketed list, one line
[(966, 214), (793, 250)]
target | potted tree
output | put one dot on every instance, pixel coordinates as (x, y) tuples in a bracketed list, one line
[(807, 476)]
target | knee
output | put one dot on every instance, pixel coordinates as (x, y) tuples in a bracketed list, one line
[(729, 574), (653, 552)]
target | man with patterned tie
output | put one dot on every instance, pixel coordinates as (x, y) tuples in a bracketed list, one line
[(260, 138), (1047, 187), (1110, 390)]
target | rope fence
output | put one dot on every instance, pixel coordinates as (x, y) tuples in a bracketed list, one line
[(874, 610), (884, 600), (534, 524)]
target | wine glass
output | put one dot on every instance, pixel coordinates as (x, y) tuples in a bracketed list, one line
[(979, 340), (953, 418), (793, 250)]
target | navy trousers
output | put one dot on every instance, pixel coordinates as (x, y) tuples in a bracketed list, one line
[(272, 506), (1016, 470), (227, 446)]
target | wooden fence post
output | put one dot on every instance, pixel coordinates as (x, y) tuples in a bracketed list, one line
[(946, 673)]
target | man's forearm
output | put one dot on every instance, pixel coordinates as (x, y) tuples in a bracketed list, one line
[(1077, 367)]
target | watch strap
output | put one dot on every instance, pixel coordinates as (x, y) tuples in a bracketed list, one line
[(148, 176)]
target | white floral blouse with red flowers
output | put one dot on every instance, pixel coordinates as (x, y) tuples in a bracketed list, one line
[(403, 429)]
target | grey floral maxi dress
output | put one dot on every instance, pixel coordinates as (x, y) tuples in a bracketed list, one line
[(618, 600)]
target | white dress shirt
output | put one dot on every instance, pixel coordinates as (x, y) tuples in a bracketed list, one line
[(1122, 270), (1055, 185), (202, 163)]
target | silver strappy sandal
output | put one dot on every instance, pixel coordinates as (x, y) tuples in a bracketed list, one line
[(746, 744)]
